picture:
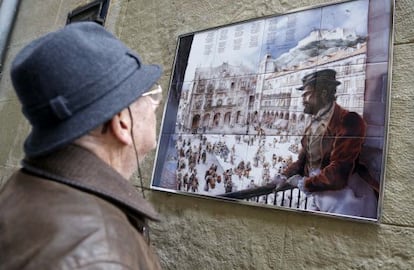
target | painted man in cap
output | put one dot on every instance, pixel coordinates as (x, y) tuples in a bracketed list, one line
[(91, 104), (327, 167)]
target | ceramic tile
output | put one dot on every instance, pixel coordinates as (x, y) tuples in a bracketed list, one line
[(379, 31), (376, 82), (198, 156)]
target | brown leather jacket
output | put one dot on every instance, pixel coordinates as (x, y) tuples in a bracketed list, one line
[(70, 210)]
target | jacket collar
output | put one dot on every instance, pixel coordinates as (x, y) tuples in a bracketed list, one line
[(335, 119), (81, 169)]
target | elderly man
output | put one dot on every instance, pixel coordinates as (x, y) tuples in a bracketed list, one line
[(89, 101), (327, 167)]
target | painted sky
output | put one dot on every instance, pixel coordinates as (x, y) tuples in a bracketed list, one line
[(246, 43)]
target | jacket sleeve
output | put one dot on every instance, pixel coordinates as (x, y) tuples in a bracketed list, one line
[(346, 148)]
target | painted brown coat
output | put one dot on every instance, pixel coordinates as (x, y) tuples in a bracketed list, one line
[(340, 148)]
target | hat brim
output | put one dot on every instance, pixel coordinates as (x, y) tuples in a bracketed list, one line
[(45, 140), (316, 80)]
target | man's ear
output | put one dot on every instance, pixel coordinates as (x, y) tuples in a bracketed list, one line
[(324, 94), (121, 127)]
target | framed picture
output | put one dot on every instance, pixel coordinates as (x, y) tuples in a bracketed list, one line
[(287, 111)]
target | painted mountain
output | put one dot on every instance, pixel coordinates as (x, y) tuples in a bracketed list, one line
[(318, 44)]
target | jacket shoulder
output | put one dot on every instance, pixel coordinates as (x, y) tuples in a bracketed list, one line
[(68, 228), (351, 123)]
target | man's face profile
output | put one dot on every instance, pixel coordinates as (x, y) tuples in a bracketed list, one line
[(144, 111), (311, 100)]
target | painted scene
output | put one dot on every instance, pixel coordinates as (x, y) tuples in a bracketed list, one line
[(286, 111)]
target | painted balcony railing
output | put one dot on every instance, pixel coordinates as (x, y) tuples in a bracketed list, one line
[(272, 194)]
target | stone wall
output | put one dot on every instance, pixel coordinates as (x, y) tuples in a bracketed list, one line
[(198, 233)]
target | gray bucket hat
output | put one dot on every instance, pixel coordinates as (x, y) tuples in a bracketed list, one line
[(73, 80)]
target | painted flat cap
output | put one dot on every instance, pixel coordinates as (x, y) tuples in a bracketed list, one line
[(320, 77)]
